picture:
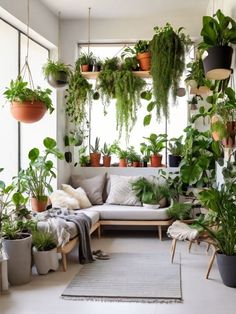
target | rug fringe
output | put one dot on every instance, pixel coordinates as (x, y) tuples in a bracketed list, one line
[(112, 299)]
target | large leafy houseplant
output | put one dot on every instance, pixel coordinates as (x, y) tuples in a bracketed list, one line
[(28, 105), (36, 179), (218, 33), (156, 143), (168, 48), (57, 73)]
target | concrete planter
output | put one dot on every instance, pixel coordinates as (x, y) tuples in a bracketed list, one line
[(19, 259), (45, 260), (227, 269)]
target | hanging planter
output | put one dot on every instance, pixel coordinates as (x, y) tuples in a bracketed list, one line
[(28, 105), (57, 73), (218, 33)]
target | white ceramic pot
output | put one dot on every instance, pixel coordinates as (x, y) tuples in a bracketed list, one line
[(45, 260)]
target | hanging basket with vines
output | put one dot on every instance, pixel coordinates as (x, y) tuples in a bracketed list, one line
[(168, 48)]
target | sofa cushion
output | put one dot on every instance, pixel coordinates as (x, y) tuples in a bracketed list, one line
[(78, 194), (93, 187), (121, 212), (61, 199), (121, 192)]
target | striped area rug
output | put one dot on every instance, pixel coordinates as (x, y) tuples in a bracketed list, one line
[(128, 277)]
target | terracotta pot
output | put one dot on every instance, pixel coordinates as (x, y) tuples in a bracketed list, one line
[(122, 163), (95, 159), (156, 160), (136, 164), (144, 60), (28, 112), (39, 205), (106, 161), (230, 141), (84, 67)]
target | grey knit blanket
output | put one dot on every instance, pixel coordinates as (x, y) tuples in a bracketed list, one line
[(83, 224)]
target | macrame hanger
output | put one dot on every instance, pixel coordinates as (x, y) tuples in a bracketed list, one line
[(26, 67)]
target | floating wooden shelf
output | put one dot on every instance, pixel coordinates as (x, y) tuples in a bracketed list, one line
[(94, 75)]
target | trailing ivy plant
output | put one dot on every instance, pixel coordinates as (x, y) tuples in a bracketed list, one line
[(77, 95), (106, 79), (127, 92), (168, 48)]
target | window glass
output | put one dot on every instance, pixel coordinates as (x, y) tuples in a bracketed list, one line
[(8, 125)]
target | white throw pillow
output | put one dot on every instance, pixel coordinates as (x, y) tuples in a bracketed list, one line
[(121, 192), (79, 194), (61, 199)]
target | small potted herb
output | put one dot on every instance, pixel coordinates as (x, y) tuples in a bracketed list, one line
[(106, 151), (176, 150), (28, 105), (85, 61), (95, 154), (57, 73)]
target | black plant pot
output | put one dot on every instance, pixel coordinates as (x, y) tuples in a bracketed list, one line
[(145, 164), (174, 161), (217, 65), (59, 80), (227, 269)]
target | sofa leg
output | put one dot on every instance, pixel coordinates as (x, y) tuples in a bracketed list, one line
[(64, 262), (160, 233), (173, 247), (99, 232)]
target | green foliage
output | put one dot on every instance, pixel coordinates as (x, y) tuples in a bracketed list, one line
[(168, 49), (156, 143), (180, 211), (219, 30), (18, 91), (74, 138), (107, 150), (53, 67), (83, 157), (106, 79), (43, 241), (176, 146), (142, 46), (196, 73), (85, 58), (77, 95), (200, 153), (36, 179), (95, 148), (133, 155)]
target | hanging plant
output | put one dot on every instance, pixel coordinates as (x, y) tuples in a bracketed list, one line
[(28, 105), (168, 48), (106, 80), (78, 93), (57, 73), (127, 92)]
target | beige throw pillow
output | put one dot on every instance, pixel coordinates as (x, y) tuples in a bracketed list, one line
[(121, 192), (79, 194), (92, 186), (60, 199)]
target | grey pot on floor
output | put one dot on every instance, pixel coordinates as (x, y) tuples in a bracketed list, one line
[(227, 269), (19, 259), (45, 260)]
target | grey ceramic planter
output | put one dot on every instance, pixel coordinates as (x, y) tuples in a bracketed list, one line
[(19, 259), (45, 260), (227, 269)]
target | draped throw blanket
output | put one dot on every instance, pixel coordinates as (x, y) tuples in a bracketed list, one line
[(83, 224)]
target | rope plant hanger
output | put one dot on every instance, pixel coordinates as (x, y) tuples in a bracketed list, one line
[(56, 72)]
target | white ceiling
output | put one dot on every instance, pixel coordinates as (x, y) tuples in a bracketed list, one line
[(73, 9)]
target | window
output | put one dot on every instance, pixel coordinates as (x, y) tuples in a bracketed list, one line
[(18, 138), (100, 123)]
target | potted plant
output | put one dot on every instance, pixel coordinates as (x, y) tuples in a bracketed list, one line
[(218, 33), (84, 159), (176, 150), (142, 52), (155, 146), (133, 157), (36, 179), (168, 49), (85, 61), (16, 226), (95, 155), (77, 95), (220, 223), (57, 73), (180, 211), (28, 105), (150, 193), (44, 252), (97, 65), (106, 151)]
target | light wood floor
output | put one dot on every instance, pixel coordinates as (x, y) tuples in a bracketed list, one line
[(42, 294)]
